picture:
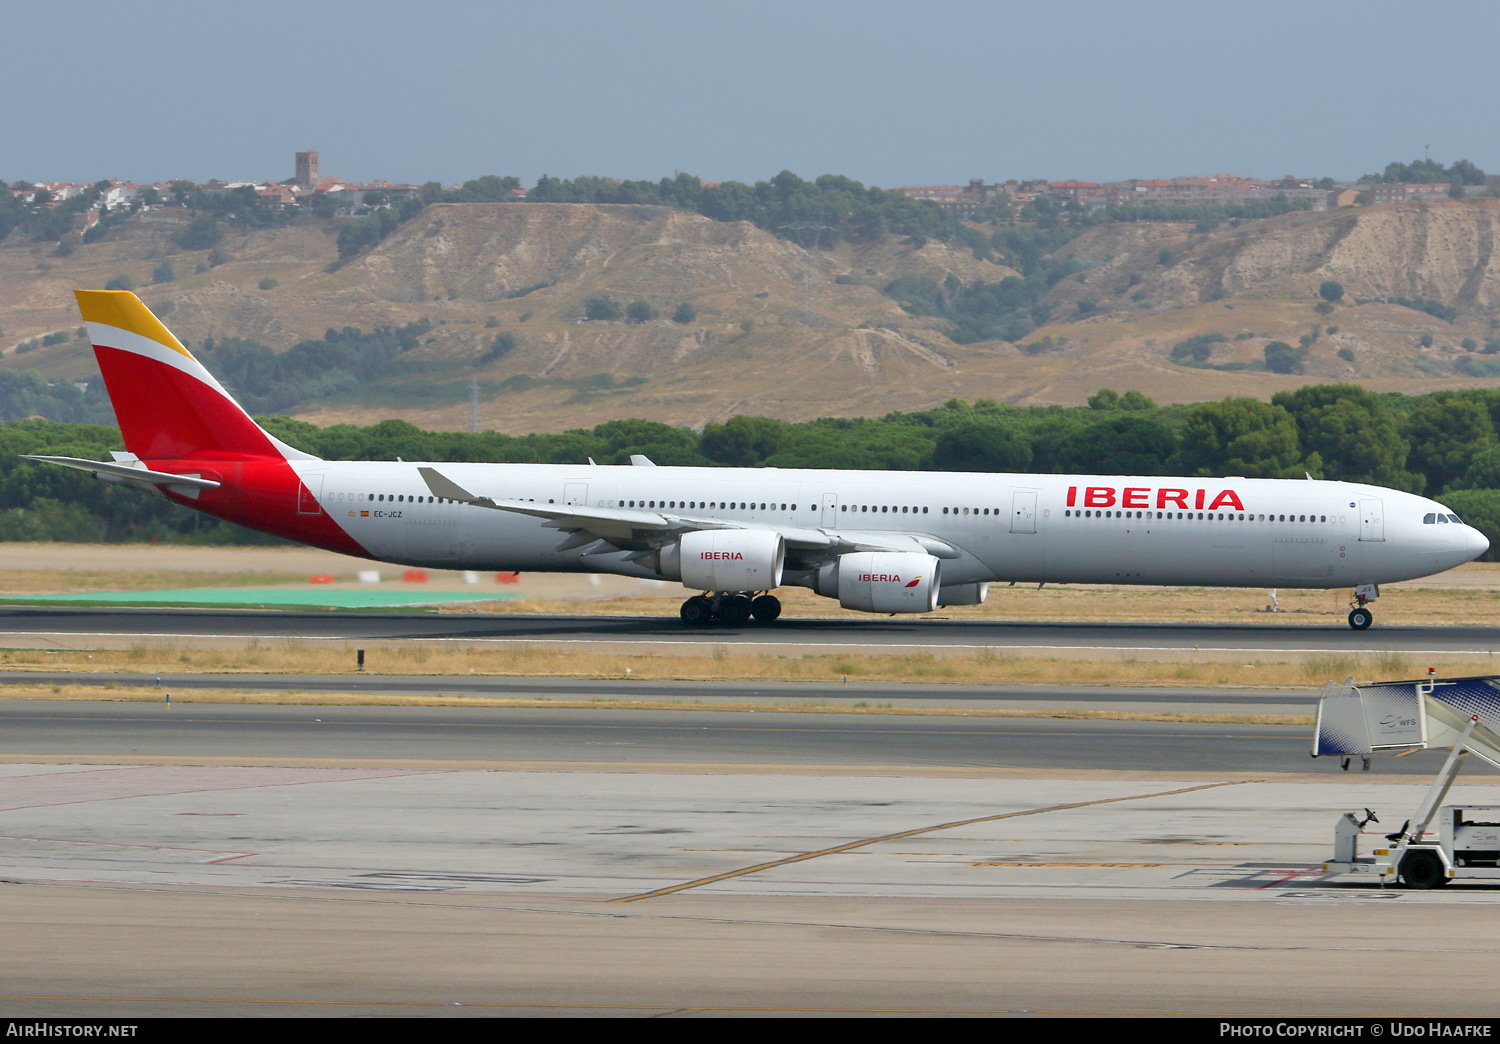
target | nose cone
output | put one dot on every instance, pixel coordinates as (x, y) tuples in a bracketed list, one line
[(1478, 543)]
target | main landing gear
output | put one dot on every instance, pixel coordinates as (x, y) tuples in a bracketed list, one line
[(731, 610), (1360, 616)]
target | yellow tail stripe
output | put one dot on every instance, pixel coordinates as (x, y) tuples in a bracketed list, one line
[(122, 309)]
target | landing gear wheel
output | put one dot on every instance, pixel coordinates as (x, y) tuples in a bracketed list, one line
[(696, 611), (1361, 618), (734, 611), (1423, 870), (766, 609)]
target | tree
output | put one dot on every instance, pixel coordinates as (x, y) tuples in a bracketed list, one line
[(1446, 430), (745, 441), (1331, 291), (202, 232), (163, 273), (685, 314), (1121, 445), (120, 282), (978, 446), (1240, 436), (601, 308), (503, 344), (1355, 433), (268, 283), (1283, 358), (640, 312)]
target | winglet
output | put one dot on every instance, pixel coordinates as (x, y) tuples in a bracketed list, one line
[(444, 487)]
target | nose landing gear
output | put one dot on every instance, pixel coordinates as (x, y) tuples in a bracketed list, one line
[(732, 609), (1360, 616)]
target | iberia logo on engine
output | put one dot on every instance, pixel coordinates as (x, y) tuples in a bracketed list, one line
[(890, 578), (723, 556)]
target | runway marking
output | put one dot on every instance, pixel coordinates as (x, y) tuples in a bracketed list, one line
[(803, 857)]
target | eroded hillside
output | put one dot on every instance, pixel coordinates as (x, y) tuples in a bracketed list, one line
[(784, 331)]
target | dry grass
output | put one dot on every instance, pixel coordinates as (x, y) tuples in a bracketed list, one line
[(138, 694), (15, 582), (725, 664)]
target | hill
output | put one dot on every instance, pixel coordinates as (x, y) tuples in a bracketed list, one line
[(786, 332)]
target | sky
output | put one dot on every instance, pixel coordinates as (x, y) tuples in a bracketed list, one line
[(887, 93)]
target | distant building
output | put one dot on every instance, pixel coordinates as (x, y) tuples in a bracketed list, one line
[(1215, 190), (965, 201), (1381, 192), (307, 169)]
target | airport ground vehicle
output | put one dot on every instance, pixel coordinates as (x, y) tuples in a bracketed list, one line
[(880, 542), (1400, 717)]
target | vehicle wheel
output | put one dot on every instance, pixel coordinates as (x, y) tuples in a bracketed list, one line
[(696, 611), (734, 611), (1361, 618), (766, 609), (1423, 870)]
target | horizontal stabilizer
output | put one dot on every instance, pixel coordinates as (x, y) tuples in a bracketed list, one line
[(127, 473)]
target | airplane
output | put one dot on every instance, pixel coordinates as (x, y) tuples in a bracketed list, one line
[(879, 542)]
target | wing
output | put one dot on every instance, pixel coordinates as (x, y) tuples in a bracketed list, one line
[(634, 529)]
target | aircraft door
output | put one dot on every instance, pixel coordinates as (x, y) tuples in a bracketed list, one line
[(1023, 513), (309, 493), (830, 510), (1372, 519), (576, 494)]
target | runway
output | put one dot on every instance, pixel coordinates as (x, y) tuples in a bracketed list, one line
[(1220, 701), (437, 736), (29, 626)]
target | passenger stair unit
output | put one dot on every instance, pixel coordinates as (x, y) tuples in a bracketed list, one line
[(1400, 717), (1393, 717)]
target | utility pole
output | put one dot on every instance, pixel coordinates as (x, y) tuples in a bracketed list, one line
[(800, 228)]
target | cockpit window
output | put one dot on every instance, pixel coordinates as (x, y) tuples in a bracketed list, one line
[(1429, 519), (1442, 520), (1455, 518)]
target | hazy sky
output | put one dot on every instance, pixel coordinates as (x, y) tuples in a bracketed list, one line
[(887, 93)]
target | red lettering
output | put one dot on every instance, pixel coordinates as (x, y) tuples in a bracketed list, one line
[(1135, 498), (1098, 496), (1172, 496), (1198, 500), (1227, 497), (1072, 496)]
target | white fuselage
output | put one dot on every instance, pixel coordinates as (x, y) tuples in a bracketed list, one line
[(1230, 532)]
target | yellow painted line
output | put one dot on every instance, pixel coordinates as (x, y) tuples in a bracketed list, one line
[(803, 857)]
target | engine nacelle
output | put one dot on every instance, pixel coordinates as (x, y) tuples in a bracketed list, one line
[(964, 594), (726, 560), (883, 581)]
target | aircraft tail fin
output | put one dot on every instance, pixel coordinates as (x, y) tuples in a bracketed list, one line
[(167, 404)]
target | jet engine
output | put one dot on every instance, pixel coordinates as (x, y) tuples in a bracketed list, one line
[(964, 594), (725, 560), (882, 581)]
